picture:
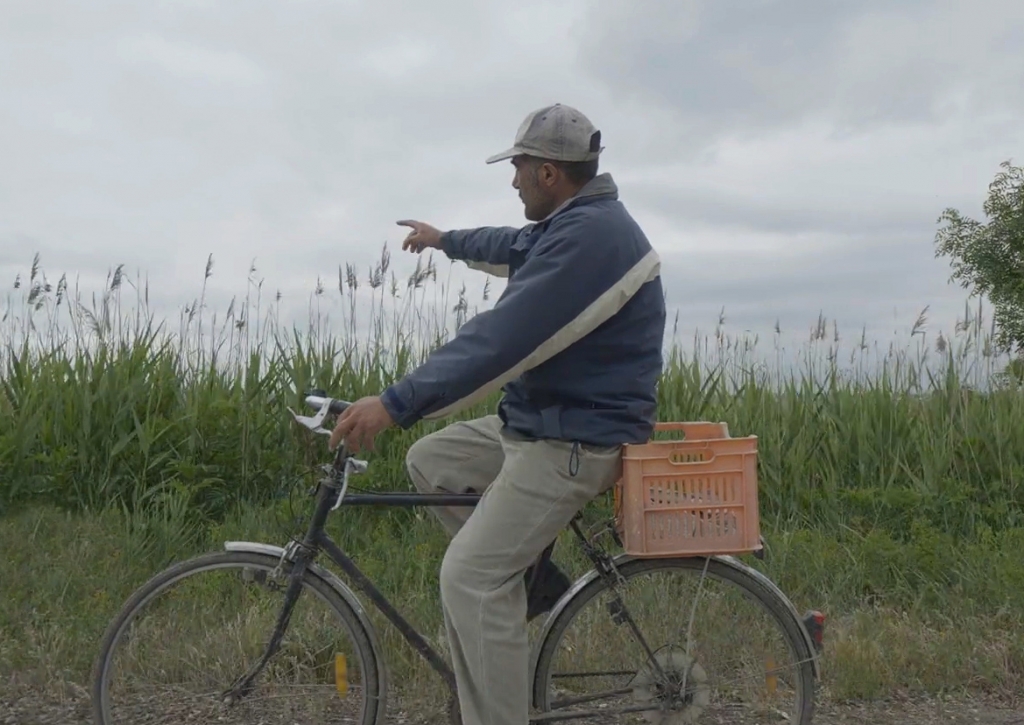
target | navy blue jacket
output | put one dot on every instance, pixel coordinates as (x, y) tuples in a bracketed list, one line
[(574, 341)]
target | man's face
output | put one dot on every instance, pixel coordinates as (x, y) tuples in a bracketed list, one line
[(535, 182)]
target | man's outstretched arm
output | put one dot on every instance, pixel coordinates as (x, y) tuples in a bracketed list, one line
[(574, 280), (484, 244), (484, 248)]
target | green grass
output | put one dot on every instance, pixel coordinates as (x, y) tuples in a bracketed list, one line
[(890, 480), (893, 626)]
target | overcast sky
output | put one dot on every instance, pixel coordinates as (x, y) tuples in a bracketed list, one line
[(784, 158)]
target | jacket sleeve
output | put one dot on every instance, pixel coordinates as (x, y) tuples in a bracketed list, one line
[(574, 279), (486, 245)]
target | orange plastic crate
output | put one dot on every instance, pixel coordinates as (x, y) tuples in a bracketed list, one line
[(691, 497)]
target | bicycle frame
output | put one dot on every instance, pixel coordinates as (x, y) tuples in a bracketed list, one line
[(298, 558), (332, 493), (316, 540)]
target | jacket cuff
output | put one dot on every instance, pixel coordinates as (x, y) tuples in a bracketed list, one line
[(394, 401), (449, 245)]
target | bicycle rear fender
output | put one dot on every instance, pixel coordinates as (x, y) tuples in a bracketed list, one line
[(771, 586), (621, 559), (342, 589)]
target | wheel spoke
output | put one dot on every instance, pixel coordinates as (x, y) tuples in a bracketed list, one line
[(723, 643), (567, 701), (602, 713), (193, 634)]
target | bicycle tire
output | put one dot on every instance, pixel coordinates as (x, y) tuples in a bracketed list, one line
[(374, 700), (748, 585)]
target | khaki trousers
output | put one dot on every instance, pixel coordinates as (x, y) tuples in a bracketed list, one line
[(531, 490)]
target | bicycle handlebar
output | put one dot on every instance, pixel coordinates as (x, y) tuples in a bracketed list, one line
[(344, 464), (317, 401)]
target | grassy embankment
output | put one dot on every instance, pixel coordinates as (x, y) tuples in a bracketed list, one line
[(890, 499)]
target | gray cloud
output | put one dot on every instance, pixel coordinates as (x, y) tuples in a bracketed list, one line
[(854, 283), (294, 135), (744, 68), (785, 158), (792, 215)]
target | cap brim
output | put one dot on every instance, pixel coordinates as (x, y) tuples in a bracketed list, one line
[(512, 152)]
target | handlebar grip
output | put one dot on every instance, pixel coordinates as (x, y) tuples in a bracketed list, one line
[(317, 401)]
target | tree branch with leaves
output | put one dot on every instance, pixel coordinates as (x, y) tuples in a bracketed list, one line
[(988, 259)]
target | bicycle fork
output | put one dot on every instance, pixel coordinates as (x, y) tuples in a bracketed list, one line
[(299, 555)]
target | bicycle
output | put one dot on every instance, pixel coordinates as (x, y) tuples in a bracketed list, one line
[(670, 683)]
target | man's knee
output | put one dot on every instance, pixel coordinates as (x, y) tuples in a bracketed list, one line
[(463, 456), (420, 462)]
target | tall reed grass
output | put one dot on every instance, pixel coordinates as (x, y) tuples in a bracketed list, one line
[(104, 404), (890, 476)]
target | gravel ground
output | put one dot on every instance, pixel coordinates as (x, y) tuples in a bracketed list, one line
[(28, 707), (921, 711)]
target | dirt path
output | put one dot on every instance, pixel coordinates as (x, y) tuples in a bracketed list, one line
[(920, 712), (29, 708)]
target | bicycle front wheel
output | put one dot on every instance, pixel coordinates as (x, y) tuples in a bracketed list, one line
[(189, 633), (682, 640)]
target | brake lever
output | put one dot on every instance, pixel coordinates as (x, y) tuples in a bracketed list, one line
[(313, 423), (353, 467)]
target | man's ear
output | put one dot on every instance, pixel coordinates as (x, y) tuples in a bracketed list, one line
[(547, 174)]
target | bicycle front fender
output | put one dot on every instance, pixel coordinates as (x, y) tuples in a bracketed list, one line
[(341, 589)]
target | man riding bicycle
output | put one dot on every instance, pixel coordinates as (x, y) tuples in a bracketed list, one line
[(575, 344)]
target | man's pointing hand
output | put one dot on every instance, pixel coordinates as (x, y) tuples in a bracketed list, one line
[(421, 237)]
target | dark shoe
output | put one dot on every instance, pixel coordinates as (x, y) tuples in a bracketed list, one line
[(551, 584)]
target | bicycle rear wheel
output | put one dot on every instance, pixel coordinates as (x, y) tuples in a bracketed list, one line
[(189, 633), (727, 648)]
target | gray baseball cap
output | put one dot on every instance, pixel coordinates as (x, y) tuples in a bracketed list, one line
[(559, 133)]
